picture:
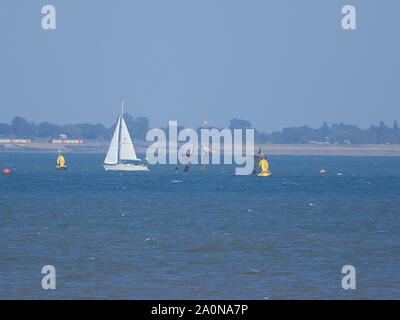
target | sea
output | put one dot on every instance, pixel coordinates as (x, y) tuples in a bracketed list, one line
[(200, 235)]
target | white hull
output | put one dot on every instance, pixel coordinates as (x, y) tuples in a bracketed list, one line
[(126, 167)]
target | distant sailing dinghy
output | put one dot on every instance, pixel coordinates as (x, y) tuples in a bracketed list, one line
[(121, 155)]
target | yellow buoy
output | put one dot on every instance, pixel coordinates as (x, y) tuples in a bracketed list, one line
[(61, 162), (264, 165)]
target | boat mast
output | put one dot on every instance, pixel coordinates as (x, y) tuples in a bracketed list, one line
[(119, 133)]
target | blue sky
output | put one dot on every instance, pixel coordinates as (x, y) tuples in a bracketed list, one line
[(276, 63)]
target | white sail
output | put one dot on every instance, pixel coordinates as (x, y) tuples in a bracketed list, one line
[(112, 154), (121, 148), (127, 151)]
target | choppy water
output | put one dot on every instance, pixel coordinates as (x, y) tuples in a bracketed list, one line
[(200, 236)]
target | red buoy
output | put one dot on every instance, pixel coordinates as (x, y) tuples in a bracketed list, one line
[(5, 171)]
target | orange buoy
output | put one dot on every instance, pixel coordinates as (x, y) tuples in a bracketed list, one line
[(5, 171)]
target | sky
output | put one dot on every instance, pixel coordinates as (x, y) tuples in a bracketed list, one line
[(277, 63)]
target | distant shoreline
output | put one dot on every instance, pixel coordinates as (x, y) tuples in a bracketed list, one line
[(100, 147)]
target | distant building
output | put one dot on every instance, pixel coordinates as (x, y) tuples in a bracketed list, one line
[(318, 142), (66, 141), (15, 141)]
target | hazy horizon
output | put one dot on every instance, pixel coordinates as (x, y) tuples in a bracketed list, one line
[(275, 63), (224, 125)]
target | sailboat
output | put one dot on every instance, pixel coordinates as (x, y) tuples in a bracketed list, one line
[(121, 150)]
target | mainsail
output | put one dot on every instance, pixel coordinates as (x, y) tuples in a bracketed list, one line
[(127, 151)]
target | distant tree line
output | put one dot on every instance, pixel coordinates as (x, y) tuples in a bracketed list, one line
[(335, 134), (23, 129)]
